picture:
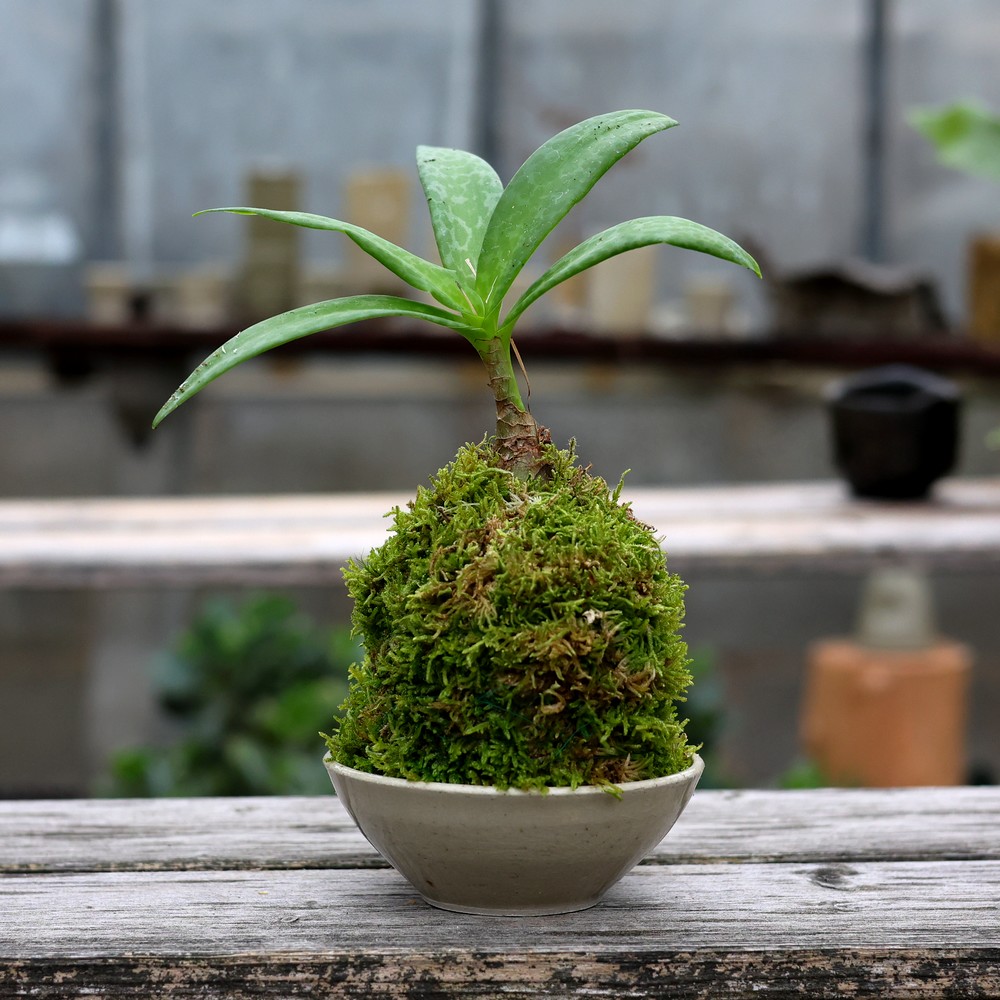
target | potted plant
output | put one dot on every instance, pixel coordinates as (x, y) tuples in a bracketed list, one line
[(511, 742)]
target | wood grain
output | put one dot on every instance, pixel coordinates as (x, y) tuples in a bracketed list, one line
[(871, 904), (790, 922), (307, 539), (813, 893), (701, 975), (832, 825)]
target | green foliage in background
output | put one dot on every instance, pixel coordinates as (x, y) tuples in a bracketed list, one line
[(516, 636), (250, 687), (965, 135), (803, 773), (706, 719)]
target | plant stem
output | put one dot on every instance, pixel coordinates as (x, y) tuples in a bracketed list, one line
[(519, 439)]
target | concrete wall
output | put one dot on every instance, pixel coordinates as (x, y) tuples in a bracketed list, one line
[(941, 52), (146, 112), (347, 424)]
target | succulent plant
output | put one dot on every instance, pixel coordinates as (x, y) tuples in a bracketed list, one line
[(486, 233), (520, 625)]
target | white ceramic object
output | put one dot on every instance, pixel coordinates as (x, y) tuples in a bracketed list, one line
[(475, 849)]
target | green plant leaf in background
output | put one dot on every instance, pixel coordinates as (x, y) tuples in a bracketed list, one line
[(302, 322), (549, 183), (629, 236), (462, 191), (249, 688), (966, 136)]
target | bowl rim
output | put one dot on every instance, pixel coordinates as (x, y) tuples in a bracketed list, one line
[(453, 788)]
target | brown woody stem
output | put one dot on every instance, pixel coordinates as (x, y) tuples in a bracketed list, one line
[(519, 439)]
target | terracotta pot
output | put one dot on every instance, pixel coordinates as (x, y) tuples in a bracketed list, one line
[(475, 849), (887, 717)]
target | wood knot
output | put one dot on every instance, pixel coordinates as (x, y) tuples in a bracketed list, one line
[(833, 877)]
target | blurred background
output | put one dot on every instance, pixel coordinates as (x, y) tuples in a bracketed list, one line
[(121, 118)]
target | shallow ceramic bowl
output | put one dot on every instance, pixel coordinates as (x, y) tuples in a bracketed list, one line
[(475, 849)]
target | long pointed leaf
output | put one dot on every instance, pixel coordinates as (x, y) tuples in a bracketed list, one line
[(298, 323), (550, 182), (415, 271), (462, 190), (629, 236)]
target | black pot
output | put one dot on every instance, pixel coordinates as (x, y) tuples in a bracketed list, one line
[(895, 431)]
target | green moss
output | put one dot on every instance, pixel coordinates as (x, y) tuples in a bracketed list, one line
[(519, 633)]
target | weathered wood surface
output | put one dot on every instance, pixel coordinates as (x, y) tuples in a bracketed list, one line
[(825, 893), (924, 906), (307, 539), (826, 825)]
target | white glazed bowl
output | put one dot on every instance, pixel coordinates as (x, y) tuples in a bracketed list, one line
[(475, 849)]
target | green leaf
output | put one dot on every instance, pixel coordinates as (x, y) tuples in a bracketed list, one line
[(301, 322), (462, 190), (629, 236), (966, 136), (415, 271), (550, 182)]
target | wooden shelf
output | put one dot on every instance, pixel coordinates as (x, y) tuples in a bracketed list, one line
[(305, 540), (84, 342)]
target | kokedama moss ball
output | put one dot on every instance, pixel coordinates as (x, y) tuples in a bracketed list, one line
[(519, 633)]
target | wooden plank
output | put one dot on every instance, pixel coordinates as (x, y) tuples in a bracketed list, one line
[(95, 342), (701, 975), (212, 834), (187, 540), (815, 826), (818, 526), (306, 540), (699, 930), (836, 824), (817, 919)]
